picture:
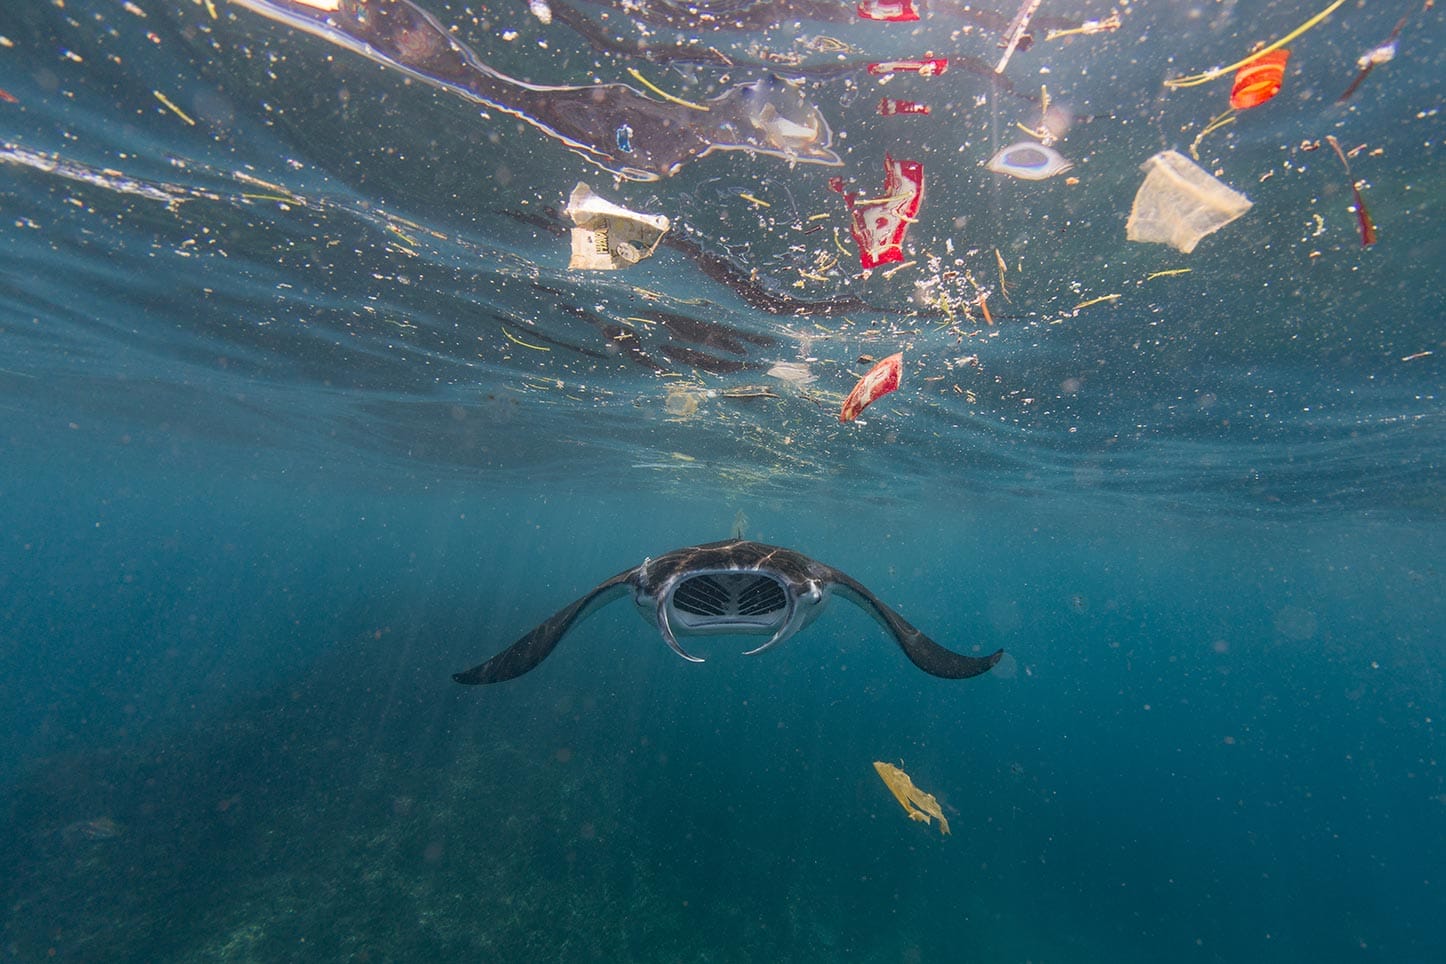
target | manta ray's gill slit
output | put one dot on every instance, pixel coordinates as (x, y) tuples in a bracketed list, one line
[(762, 596), (702, 596)]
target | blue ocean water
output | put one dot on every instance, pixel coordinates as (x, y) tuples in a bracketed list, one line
[(302, 411)]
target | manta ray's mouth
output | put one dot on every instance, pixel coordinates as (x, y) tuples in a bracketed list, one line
[(729, 602)]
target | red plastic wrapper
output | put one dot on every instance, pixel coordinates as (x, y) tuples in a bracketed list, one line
[(1259, 80), (888, 107), (893, 11), (880, 380), (924, 68), (879, 223)]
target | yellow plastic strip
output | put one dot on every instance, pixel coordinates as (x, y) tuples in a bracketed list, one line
[(669, 97), (1195, 80), (1218, 121), (1095, 301), (173, 108), (518, 341), (889, 199)]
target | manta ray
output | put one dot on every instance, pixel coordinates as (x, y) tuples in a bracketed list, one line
[(735, 587)]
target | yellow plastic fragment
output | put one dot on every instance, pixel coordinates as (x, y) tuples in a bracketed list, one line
[(917, 804), (755, 200), (1112, 22), (1216, 122), (258, 182), (518, 341), (890, 199), (1096, 301), (663, 93), (1195, 80), (173, 108)]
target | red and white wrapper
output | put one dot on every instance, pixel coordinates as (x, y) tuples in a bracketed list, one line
[(892, 11), (880, 380), (879, 223), (889, 106)]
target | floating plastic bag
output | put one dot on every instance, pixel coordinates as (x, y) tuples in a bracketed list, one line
[(795, 373), (607, 236), (1179, 203)]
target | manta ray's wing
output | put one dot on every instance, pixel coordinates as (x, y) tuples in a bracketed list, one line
[(533, 648), (922, 651)]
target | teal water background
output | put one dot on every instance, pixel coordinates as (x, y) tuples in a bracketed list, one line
[(273, 471)]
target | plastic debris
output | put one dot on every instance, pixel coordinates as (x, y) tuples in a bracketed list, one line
[(1016, 36), (1363, 216), (748, 391), (1204, 77), (1054, 120), (796, 373), (879, 223), (682, 400), (1259, 80), (1110, 23), (1224, 119), (892, 11), (1382, 53), (920, 806), (888, 107), (614, 126), (1179, 203), (788, 136), (880, 380), (1029, 161), (930, 67), (607, 236)]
